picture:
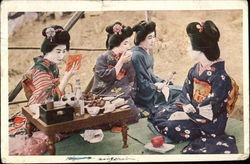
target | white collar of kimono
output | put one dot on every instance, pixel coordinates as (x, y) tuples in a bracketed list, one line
[(208, 66)]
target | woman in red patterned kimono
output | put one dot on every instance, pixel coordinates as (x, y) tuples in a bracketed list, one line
[(45, 75)]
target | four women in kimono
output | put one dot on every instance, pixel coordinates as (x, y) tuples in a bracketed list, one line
[(199, 112)]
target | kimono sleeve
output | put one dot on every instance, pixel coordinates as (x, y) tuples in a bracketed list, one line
[(130, 71), (44, 87), (187, 89), (103, 71), (144, 80), (156, 78)]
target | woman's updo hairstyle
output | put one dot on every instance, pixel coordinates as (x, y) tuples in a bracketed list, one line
[(142, 29), (204, 37), (117, 33), (54, 36)]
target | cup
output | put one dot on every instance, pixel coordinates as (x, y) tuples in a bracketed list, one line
[(93, 111)]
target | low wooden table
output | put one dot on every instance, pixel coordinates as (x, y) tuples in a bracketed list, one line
[(85, 121)]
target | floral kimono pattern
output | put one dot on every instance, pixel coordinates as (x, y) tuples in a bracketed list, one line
[(45, 81), (105, 80), (207, 90), (106, 83)]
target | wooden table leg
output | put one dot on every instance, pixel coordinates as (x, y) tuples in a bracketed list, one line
[(51, 146), (29, 127), (125, 134)]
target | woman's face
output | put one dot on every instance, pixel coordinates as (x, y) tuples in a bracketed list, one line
[(124, 46), (149, 41), (57, 54)]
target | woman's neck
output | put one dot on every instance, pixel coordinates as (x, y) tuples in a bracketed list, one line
[(202, 59), (143, 47), (46, 58)]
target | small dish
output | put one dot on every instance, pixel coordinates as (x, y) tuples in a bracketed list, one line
[(108, 107), (93, 111), (162, 149)]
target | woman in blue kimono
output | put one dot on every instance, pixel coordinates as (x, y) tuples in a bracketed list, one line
[(153, 92), (199, 114), (114, 73)]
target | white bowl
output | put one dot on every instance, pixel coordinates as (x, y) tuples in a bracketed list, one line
[(93, 111)]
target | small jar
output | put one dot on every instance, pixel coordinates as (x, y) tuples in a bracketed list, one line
[(50, 103)]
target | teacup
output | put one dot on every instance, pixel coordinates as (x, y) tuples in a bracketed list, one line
[(157, 141), (93, 111)]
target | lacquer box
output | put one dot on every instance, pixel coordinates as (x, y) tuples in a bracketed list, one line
[(56, 115)]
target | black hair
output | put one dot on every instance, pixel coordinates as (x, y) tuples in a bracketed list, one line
[(142, 29), (114, 38), (204, 37), (54, 36)]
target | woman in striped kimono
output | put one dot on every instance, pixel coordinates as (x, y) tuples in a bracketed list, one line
[(45, 81)]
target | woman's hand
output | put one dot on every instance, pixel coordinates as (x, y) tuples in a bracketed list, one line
[(67, 76), (159, 86), (162, 87), (72, 71), (126, 57)]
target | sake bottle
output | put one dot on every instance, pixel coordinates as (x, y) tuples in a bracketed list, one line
[(78, 92)]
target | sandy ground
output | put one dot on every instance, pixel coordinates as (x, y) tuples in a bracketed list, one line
[(169, 52)]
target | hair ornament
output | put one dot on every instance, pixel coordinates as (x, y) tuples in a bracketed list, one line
[(201, 27), (117, 29), (50, 33), (59, 30)]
